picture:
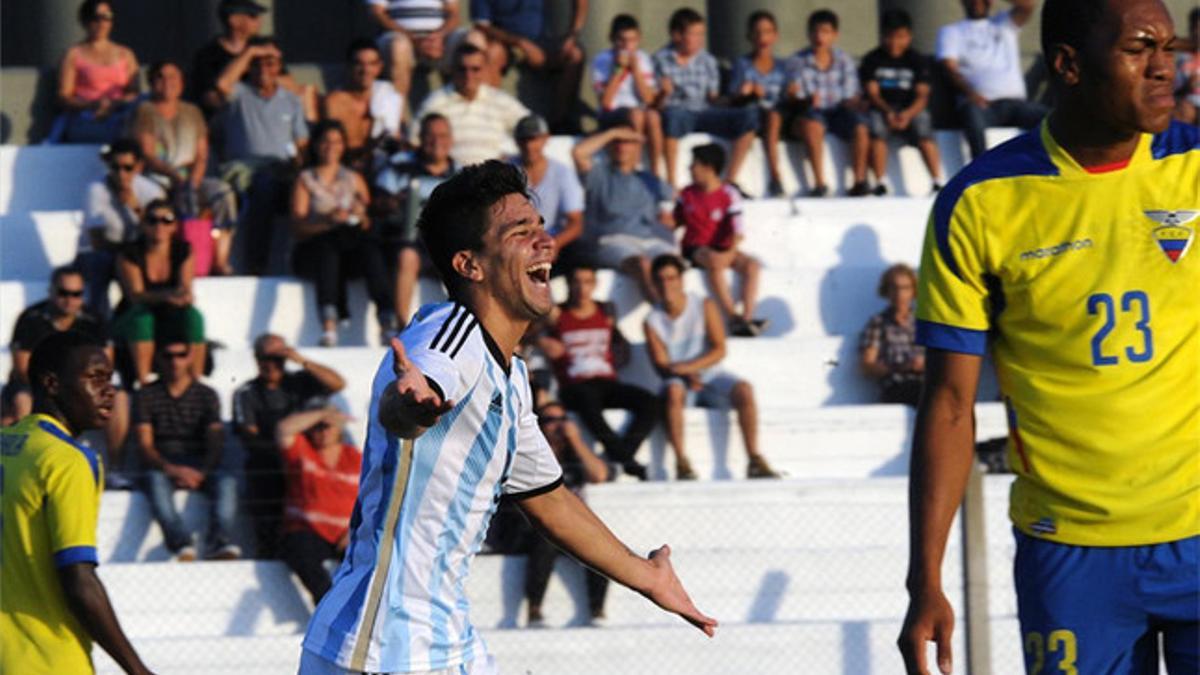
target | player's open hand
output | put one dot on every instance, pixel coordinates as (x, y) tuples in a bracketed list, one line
[(929, 617), (419, 404), (667, 592)]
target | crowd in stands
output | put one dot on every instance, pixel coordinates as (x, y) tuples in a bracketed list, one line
[(233, 167)]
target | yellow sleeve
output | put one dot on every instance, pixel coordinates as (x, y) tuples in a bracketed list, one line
[(73, 478), (952, 290)]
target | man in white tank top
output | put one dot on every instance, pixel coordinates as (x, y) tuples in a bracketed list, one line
[(686, 339)]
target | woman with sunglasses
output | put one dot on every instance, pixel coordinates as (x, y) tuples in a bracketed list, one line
[(334, 239), (97, 81), (156, 273)]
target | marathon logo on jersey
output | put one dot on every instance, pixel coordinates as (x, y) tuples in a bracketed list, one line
[(1056, 250), (1045, 526), (1172, 237)]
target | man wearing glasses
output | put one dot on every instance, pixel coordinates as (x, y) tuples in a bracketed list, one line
[(112, 209)]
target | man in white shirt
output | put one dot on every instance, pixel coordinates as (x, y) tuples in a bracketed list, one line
[(981, 55), (483, 118), (452, 430)]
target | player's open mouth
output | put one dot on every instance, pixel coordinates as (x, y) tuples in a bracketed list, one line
[(539, 273)]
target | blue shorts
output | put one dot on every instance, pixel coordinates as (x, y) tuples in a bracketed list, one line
[(1091, 609), (726, 123), (838, 120)]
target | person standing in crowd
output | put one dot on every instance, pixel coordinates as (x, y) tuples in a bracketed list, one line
[(686, 340), (174, 141), (334, 241), (555, 186), (758, 79), (627, 211), (112, 210), (265, 139), (824, 92), (368, 108), (710, 213), (626, 88), (887, 349), (483, 117), (97, 81), (689, 84), (178, 424), (580, 467), (586, 349), (401, 189), (322, 484), (896, 79), (258, 405), (982, 56), (156, 272), (53, 604)]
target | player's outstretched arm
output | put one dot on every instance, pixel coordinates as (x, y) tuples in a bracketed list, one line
[(943, 448), (89, 603), (572, 526), (410, 405)]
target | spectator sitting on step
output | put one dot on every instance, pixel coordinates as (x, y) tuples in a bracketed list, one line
[(758, 79), (1187, 73), (482, 116), (982, 55), (626, 89), (178, 424), (710, 211), (334, 241), (579, 467), (627, 212), (896, 79), (823, 94), (112, 210), (400, 191), (689, 85), (557, 193), (419, 32), (174, 141), (686, 340), (265, 136), (258, 405), (586, 349), (97, 82), (322, 485), (63, 311), (888, 351), (156, 272), (368, 108), (517, 32)]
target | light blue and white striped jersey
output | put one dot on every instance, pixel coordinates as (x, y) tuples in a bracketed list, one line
[(398, 602)]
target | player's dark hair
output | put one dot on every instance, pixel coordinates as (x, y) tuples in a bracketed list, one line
[(89, 8), (760, 15), (894, 19), (1068, 22), (622, 23), (157, 67), (683, 19), (456, 215), (667, 260), (53, 354), (822, 16), (358, 45), (64, 271), (710, 155), (899, 269)]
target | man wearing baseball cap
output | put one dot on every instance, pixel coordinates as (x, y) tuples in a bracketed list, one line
[(559, 193)]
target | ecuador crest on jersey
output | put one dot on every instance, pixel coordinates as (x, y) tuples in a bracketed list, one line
[(1172, 236)]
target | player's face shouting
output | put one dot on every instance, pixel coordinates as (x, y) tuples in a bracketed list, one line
[(517, 254), (1129, 66)]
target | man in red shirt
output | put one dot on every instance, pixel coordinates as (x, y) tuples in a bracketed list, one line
[(586, 348), (710, 210), (322, 484)]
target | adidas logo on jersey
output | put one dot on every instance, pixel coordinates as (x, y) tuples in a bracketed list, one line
[(497, 404)]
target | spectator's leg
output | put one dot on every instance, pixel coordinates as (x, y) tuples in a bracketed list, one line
[(97, 268), (742, 397), (538, 568), (654, 132), (193, 329), (677, 122), (117, 430), (773, 125), (401, 60), (259, 222), (328, 258), (638, 267), (264, 500), (597, 590), (716, 264), (749, 269), (643, 405), (744, 122), (136, 324), (586, 399), (221, 488), (304, 552), (812, 134), (566, 100), (975, 121), (878, 131), (366, 257), (676, 396), (408, 269), (221, 199), (159, 492)]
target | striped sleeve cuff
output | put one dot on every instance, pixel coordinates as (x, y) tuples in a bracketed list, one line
[(951, 338), (518, 496), (76, 554)]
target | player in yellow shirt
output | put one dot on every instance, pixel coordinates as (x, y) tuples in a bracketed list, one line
[(1066, 251), (52, 604)]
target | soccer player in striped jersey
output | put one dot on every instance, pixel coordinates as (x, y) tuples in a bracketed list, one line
[(1066, 252), (451, 431)]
